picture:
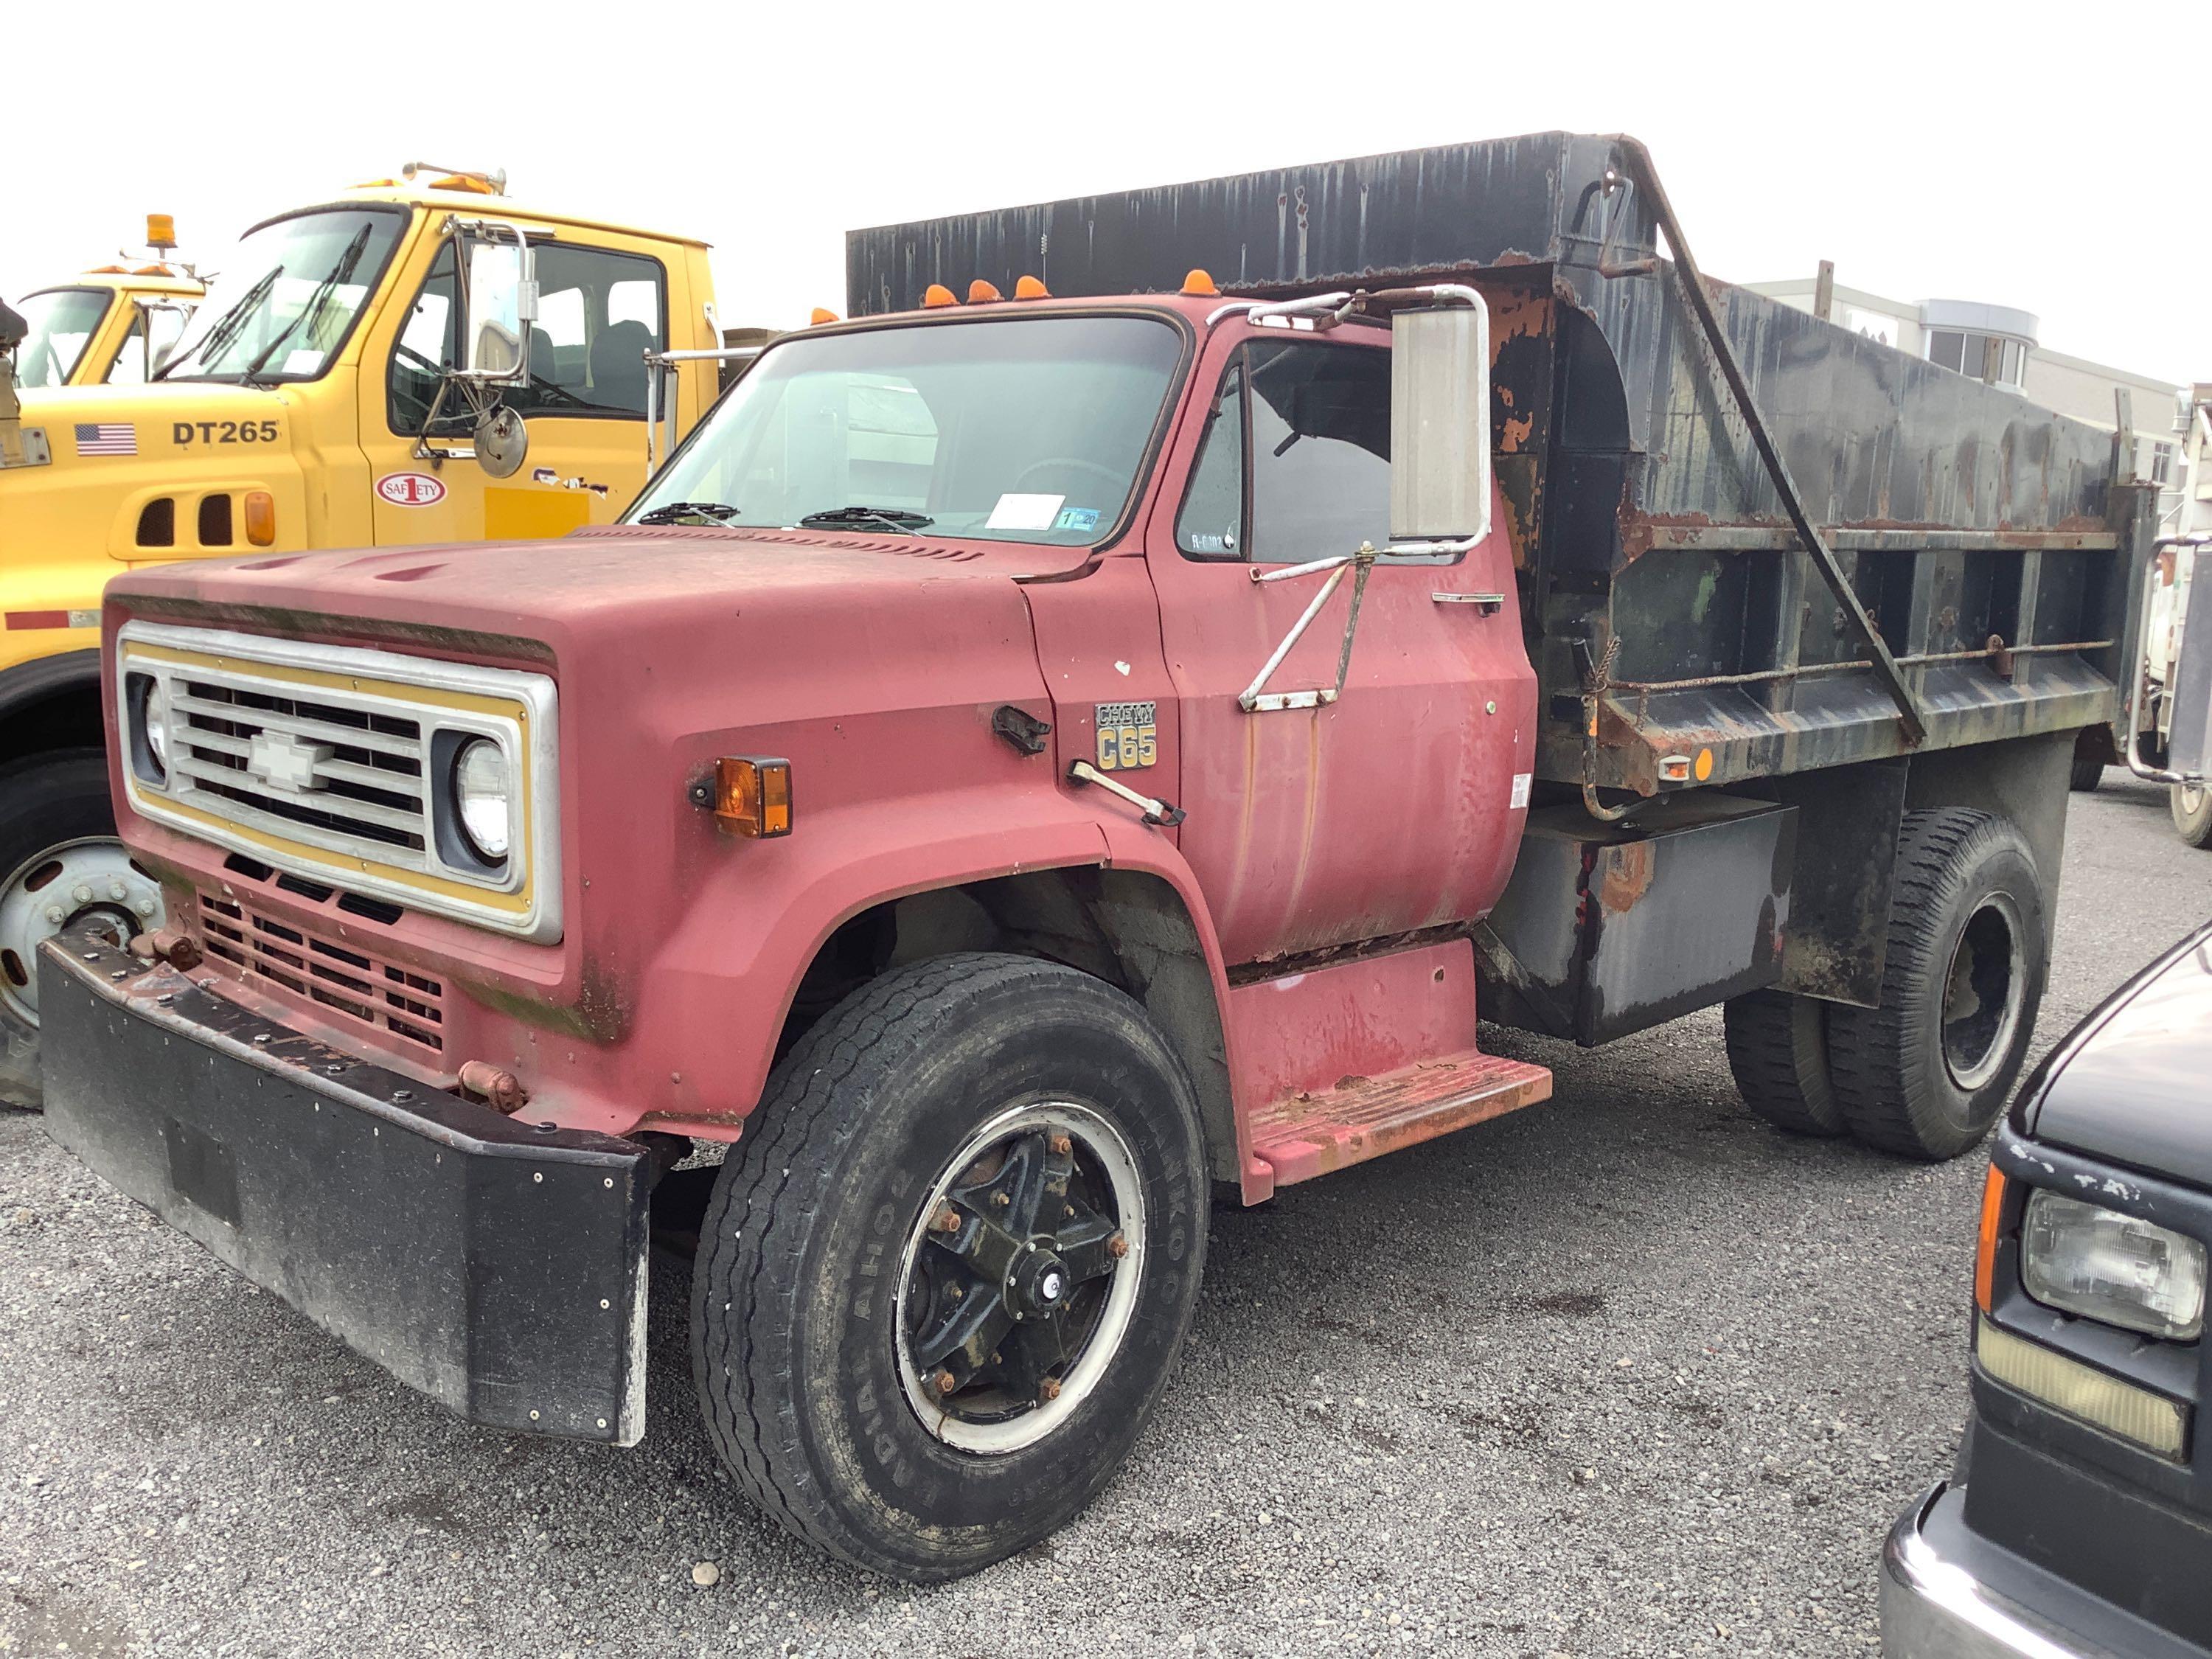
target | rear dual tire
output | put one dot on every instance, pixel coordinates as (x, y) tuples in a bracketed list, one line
[(1926, 1073)]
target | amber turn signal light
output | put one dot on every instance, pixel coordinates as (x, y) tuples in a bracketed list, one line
[(260, 517), (753, 796), (1985, 1250)]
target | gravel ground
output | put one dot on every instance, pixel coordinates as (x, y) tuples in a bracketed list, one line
[(1627, 1374)]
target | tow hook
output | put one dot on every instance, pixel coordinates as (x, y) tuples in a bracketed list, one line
[(1157, 813), (496, 1086), (167, 944)]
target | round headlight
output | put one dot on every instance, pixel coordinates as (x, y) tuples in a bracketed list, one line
[(481, 783), (157, 723)]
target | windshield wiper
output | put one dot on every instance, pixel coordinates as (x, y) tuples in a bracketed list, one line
[(218, 339), (892, 517), (675, 512), (316, 302)]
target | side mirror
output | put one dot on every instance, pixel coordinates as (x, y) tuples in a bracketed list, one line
[(1440, 423), (500, 302)]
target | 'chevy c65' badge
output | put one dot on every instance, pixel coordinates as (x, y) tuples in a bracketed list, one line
[(1128, 735), (411, 489)]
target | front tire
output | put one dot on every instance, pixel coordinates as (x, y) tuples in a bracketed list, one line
[(941, 1287), (2191, 807), (1927, 1072), (60, 862)]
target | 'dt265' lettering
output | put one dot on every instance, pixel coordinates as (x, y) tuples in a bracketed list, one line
[(223, 432)]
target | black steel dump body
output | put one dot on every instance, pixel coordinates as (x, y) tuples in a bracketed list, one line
[(1643, 519)]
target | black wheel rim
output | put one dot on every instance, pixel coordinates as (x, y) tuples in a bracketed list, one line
[(1019, 1277), (1982, 993)]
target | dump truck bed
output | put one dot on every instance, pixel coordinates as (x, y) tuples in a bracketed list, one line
[(1982, 536)]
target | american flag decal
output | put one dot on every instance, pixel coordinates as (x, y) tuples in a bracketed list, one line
[(107, 438)]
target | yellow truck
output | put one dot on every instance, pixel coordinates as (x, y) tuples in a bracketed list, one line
[(416, 360), (113, 326)]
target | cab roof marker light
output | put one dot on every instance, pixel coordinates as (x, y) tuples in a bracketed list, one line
[(1199, 282), (935, 297), (981, 293), (1029, 287), (820, 315)]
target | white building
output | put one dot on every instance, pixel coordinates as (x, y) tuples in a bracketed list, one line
[(1998, 344)]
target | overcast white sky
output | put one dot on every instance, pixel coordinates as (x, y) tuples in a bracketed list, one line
[(2031, 156)]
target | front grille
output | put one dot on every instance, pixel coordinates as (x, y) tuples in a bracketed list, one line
[(360, 776), (335, 979)]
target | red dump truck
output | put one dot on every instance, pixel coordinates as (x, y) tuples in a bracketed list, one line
[(1093, 730)]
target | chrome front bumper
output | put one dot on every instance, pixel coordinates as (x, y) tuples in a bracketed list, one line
[(1934, 1608)]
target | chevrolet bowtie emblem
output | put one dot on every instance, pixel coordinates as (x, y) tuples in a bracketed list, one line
[(283, 761)]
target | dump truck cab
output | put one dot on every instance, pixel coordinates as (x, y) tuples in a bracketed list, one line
[(1066, 741), (322, 395), (110, 326)]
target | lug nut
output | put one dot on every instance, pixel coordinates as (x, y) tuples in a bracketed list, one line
[(116, 890), (1048, 1390), (1002, 1200), (944, 1383), (947, 1220), (1061, 1146), (144, 907), (955, 1294), (81, 893), (54, 915), (1117, 1247)]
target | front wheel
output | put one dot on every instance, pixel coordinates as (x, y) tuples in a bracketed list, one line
[(941, 1289), (59, 863), (1927, 1072), (2191, 807)]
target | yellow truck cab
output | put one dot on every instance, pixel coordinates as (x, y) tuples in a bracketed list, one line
[(416, 360), (113, 326)]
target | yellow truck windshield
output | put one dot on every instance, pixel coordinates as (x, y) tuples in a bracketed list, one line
[(289, 296), (63, 322)]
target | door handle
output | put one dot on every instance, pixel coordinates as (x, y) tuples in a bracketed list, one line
[(1491, 604)]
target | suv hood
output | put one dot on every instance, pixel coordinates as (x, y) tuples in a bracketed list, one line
[(2129, 1083)]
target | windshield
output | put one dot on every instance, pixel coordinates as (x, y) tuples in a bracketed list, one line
[(287, 297), (1025, 429), (62, 322)]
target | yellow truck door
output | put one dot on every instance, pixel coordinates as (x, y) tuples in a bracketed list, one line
[(604, 302)]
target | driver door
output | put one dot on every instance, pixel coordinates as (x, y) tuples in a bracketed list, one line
[(1397, 806), (600, 310)]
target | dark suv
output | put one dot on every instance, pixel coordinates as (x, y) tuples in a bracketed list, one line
[(2078, 1520)]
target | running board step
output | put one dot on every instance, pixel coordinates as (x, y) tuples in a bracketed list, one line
[(1306, 1135)]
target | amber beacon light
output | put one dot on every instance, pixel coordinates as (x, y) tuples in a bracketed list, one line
[(752, 796)]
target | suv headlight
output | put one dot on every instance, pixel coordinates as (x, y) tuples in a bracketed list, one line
[(2085, 1259)]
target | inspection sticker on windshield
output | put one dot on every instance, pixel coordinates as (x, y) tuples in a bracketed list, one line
[(411, 489), (1023, 512), (1076, 518)]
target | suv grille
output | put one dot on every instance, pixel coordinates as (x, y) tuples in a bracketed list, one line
[(338, 979)]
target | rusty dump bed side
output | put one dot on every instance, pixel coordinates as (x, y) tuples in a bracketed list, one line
[(1982, 536)]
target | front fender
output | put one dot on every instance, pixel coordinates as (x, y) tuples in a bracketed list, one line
[(715, 998)]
